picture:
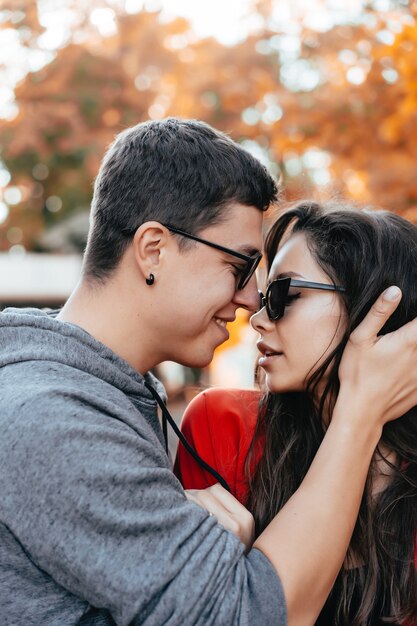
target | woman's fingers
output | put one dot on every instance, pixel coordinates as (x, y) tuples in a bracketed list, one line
[(229, 512), (380, 312), (381, 371)]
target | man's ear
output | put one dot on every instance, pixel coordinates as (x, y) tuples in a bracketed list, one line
[(149, 245)]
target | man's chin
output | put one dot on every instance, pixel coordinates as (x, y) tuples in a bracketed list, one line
[(198, 363), (200, 360), (200, 357)]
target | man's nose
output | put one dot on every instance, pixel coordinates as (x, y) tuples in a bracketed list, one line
[(248, 297)]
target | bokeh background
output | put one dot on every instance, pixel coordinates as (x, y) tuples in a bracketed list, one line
[(324, 92)]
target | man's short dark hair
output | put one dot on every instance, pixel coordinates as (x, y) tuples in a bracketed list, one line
[(181, 172)]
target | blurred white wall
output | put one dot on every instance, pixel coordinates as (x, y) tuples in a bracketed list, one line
[(42, 279)]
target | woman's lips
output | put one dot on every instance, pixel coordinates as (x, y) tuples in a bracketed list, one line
[(268, 354), (266, 360), (267, 350)]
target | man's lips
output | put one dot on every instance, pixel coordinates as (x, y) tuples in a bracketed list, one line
[(221, 323)]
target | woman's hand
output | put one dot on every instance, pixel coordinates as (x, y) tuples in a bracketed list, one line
[(229, 512), (380, 372)]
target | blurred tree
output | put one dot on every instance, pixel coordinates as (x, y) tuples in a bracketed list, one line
[(331, 109)]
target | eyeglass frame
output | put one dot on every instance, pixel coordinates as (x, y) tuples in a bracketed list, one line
[(246, 274), (290, 282)]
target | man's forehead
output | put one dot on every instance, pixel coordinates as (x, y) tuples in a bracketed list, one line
[(239, 228)]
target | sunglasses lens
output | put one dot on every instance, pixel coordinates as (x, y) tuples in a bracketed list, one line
[(249, 272), (276, 297)]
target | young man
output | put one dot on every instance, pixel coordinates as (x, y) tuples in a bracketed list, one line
[(94, 526)]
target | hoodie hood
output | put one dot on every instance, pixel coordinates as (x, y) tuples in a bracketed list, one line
[(33, 335)]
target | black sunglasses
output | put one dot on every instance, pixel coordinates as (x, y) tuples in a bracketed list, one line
[(276, 296), (245, 274)]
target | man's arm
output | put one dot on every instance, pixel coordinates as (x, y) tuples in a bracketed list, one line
[(308, 539), (95, 513)]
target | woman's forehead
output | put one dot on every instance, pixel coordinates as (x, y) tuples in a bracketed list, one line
[(293, 256)]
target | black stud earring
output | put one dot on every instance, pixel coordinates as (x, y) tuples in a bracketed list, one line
[(150, 280)]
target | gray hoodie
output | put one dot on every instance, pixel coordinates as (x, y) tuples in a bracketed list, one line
[(94, 526)]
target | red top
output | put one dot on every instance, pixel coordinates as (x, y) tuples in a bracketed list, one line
[(219, 424)]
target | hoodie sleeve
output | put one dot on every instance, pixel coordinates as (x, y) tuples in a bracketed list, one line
[(93, 504)]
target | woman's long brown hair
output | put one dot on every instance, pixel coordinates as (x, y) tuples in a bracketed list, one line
[(365, 252)]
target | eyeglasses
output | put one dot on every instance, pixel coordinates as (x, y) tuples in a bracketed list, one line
[(276, 297), (245, 274)]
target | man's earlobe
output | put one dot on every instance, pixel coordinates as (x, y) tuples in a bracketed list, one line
[(148, 243)]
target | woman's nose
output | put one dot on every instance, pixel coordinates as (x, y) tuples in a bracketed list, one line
[(260, 321)]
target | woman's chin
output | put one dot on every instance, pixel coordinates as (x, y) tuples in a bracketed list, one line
[(275, 386), (278, 386)]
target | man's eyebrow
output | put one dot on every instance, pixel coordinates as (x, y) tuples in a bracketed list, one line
[(248, 250)]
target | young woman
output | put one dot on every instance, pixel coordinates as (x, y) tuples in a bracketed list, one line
[(326, 267)]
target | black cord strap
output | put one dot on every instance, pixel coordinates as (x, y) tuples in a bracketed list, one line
[(168, 417)]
